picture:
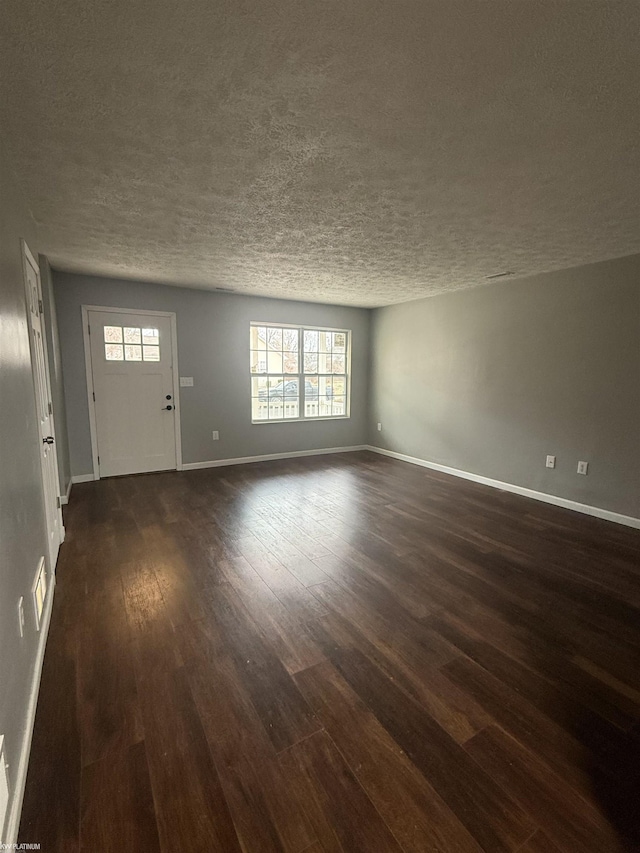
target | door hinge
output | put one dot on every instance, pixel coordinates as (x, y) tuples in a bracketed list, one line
[(50, 408), (58, 502), (93, 394), (89, 328), (98, 460), (40, 306)]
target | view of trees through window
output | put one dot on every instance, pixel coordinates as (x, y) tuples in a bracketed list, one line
[(298, 372)]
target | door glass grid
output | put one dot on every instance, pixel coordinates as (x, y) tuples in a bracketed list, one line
[(131, 343)]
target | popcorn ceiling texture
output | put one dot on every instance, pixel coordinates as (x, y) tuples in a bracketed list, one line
[(356, 152)]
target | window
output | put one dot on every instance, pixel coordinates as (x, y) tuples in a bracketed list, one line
[(125, 343), (298, 373)]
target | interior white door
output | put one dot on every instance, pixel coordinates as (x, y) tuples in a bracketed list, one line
[(44, 409), (135, 408)]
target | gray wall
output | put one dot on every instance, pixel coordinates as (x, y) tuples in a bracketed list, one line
[(55, 375), (493, 379), (213, 334), (22, 525)]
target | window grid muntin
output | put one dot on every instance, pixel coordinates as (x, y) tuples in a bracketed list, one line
[(333, 354), (131, 344)]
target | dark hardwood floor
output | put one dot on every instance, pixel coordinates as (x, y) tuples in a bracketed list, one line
[(339, 653)]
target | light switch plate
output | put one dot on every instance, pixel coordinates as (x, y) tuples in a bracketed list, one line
[(186, 381)]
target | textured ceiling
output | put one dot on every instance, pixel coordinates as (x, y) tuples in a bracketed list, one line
[(356, 151)]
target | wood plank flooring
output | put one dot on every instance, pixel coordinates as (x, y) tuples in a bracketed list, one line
[(339, 653)]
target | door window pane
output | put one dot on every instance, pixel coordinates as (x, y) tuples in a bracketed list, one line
[(131, 335), (113, 352), (133, 352), (113, 334), (139, 344), (151, 353)]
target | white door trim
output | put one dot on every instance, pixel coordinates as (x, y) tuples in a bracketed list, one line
[(93, 426)]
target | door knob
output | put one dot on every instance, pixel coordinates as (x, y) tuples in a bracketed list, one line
[(168, 408), (48, 440)]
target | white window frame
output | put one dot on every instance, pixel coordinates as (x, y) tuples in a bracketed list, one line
[(300, 375)]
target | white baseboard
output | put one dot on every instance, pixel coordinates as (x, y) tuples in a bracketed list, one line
[(267, 457), (607, 514), (64, 499), (83, 478), (19, 777)]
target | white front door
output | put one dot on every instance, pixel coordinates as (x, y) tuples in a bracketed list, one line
[(135, 407), (44, 408)]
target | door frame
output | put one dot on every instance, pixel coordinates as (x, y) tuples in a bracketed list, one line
[(29, 258), (93, 423)]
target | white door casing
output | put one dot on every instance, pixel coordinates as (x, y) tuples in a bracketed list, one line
[(132, 391), (44, 408)]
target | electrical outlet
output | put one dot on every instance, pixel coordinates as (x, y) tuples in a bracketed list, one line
[(186, 381), (379, 427), (215, 434), (583, 467), (21, 616), (551, 461)]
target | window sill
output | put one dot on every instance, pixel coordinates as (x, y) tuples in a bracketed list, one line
[(303, 420)]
